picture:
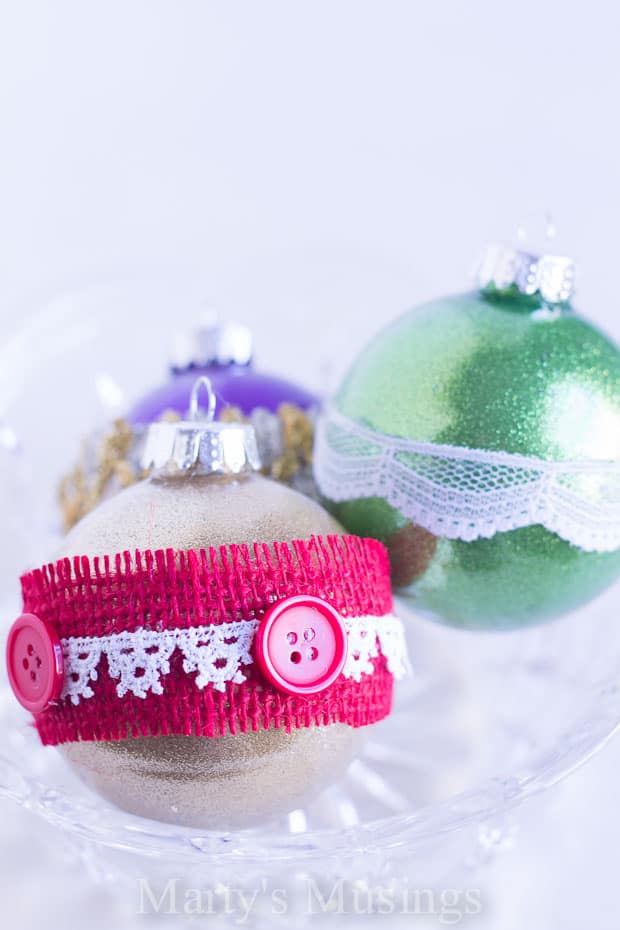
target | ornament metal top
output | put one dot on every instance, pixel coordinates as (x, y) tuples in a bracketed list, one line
[(504, 268), (199, 445), (211, 344)]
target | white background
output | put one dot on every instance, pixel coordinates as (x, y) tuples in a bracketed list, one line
[(322, 165)]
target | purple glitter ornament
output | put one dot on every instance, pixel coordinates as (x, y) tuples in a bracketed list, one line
[(224, 353)]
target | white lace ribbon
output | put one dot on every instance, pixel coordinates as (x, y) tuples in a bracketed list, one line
[(465, 493), (140, 660)]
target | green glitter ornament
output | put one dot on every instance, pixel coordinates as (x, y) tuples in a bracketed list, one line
[(479, 437)]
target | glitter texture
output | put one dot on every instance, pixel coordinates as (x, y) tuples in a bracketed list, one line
[(235, 780), (502, 373)]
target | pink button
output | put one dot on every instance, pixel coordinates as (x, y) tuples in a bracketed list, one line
[(301, 645), (34, 662)]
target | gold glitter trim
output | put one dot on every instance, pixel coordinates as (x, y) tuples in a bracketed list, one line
[(298, 437), (84, 487)]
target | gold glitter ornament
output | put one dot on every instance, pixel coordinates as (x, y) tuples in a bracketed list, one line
[(233, 780)]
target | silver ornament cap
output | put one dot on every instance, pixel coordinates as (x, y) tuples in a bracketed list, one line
[(505, 267), (211, 343), (200, 445)]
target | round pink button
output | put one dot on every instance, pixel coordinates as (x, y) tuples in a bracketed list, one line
[(34, 662), (301, 645)]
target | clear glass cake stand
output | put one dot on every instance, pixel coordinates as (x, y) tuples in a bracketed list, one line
[(483, 723)]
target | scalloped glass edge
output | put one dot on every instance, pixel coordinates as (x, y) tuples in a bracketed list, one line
[(91, 819)]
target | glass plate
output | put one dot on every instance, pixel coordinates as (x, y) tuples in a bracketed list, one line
[(483, 722)]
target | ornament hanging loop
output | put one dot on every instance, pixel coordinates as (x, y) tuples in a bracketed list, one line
[(536, 232), (195, 411)]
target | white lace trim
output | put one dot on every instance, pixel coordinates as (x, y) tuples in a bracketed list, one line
[(465, 493), (218, 653)]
